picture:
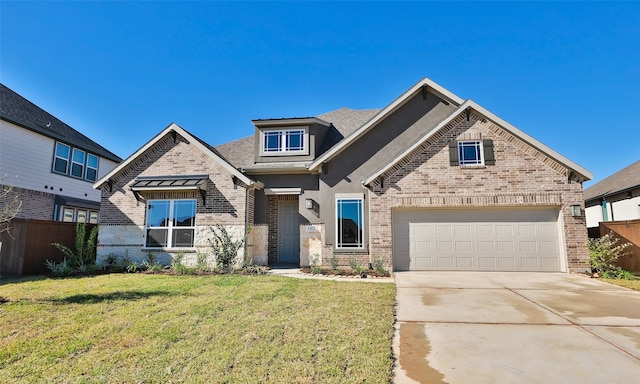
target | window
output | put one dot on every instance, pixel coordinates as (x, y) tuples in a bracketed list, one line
[(61, 160), (349, 221), (470, 153), (75, 162), (170, 223), (284, 141), (92, 167), (72, 214)]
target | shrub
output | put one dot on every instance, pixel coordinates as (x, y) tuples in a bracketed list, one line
[(225, 248), (378, 265), (151, 264), (59, 269), (334, 262), (85, 246), (604, 253), (202, 262)]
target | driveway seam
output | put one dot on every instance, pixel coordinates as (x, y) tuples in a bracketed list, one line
[(575, 324)]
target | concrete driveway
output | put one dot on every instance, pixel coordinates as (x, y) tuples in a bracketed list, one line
[(494, 327)]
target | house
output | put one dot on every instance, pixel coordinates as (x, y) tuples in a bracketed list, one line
[(615, 198), (429, 182), (51, 166)]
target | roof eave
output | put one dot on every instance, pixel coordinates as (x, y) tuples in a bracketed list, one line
[(497, 120), (296, 121), (175, 127)]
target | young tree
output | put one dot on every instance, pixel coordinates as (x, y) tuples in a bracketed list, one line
[(10, 205)]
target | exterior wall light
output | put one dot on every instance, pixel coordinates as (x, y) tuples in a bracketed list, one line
[(308, 203), (575, 211)]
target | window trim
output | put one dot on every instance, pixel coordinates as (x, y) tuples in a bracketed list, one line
[(75, 214), (479, 151), (86, 171), (361, 241), (56, 157), (70, 162), (283, 134), (73, 162), (171, 226)]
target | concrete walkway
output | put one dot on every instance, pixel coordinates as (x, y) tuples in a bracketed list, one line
[(492, 327)]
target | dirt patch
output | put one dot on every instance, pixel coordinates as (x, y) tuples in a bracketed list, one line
[(414, 349)]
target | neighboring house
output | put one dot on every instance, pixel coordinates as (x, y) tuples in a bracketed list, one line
[(51, 166), (615, 198), (429, 182)]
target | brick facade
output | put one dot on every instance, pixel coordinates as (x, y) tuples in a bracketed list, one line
[(35, 204), (522, 176), (225, 203)]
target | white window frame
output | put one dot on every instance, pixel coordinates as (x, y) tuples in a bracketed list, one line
[(74, 214), (284, 148), (359, 198), (57, 156), (70, 162), (171, 226), (88, 167), (480, 151), (74, 162)]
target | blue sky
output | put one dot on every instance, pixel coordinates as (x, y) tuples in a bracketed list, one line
[(566, 73)]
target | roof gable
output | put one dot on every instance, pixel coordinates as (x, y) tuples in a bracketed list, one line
[(175, 128), (625, 179), (423, 85), (468, 106), (20, 111)]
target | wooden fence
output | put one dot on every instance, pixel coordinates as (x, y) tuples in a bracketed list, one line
[(627, 231), (27, 247)]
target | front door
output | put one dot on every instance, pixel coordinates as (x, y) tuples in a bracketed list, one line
[(288, 232)]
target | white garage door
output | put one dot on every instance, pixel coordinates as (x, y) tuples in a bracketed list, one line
[(513, 239)]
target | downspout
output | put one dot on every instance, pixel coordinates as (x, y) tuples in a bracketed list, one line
[(603, 206)]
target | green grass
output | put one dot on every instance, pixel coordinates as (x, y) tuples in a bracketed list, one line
[(137, 328), (633, 284)]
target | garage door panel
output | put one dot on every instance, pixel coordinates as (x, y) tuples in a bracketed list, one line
[(500, 239)]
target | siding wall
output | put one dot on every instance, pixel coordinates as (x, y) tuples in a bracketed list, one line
[(26, 158)]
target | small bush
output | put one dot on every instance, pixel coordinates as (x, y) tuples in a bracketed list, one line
[(202, 262), (151, 264), (59, 269), (225, 248), (378, 265), (333, 261), (85, 246), (604, 253)]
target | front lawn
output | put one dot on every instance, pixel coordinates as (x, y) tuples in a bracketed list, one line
[(138, 328)]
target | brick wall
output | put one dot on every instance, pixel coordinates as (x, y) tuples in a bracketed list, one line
[(522, 176), (225, 202), (35, 204)]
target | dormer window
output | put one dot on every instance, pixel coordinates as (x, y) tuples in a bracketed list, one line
[(278, 142)]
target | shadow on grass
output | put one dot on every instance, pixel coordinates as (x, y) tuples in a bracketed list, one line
[(14, 279), (89, 298)]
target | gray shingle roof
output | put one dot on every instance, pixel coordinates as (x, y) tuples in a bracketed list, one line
[(623, 180), (241, 153), (20, 111)]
